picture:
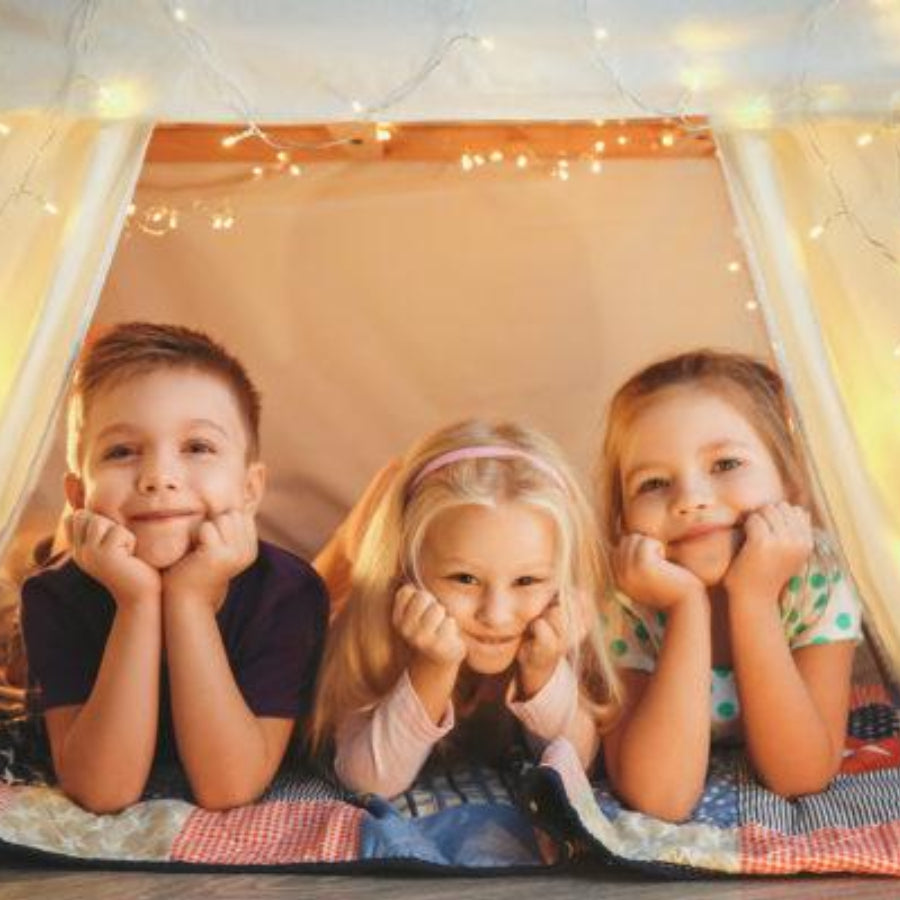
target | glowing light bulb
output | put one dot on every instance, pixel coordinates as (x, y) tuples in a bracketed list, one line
[(4, 129), (521, 160), (466, 162), (734, 266), (596, 167), (295, 170), (478, 159), (119, 100), (865, 139), (257, 171), (228, 222), (496, 156), (816, 232), (622, 140), (600, 34), (132, 209), (283, 156), (233, 139), (600, 146), (173, 219), (179, 14), (383, 132), (667, 140), (50, 208), (751, 305)]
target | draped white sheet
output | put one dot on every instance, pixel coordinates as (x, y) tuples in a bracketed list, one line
[(823, 236), (52, 269)]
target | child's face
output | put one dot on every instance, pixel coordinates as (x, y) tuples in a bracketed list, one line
[(163, 452), (693, 468), (494, 569)]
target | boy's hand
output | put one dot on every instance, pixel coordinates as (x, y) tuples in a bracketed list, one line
[(778, 543), (226, 545), (543, 647), (645, 575), (105, 551), (428, 628)]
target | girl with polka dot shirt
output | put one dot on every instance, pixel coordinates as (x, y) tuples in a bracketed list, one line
[(737, 621)]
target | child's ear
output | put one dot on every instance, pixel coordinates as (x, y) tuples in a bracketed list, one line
[(254, 485), (74, 488)]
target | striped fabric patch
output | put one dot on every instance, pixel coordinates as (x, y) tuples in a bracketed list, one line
[(444, 789)]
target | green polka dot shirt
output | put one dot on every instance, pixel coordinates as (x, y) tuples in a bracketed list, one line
[(818, 607)]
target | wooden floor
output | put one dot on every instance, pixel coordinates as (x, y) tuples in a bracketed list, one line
[(42, 884)]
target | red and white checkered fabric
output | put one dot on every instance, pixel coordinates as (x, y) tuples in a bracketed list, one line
[(870, 850), (272, 833)]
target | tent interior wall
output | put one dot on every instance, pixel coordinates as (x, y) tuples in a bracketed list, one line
[(376, 299)]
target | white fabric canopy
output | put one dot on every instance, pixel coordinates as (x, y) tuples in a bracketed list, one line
[(79, 81)]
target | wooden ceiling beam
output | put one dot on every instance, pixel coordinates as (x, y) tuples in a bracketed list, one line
[(434, 142)]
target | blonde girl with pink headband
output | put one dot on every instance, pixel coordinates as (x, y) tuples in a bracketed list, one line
[(473, 613)]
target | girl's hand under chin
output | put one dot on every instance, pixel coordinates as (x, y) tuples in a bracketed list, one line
[(779, 541), (645, 575), (543, 647), (427, 627)]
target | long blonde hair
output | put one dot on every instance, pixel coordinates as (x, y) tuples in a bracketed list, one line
[(364, 655)]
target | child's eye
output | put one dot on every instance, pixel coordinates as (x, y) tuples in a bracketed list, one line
[(528, 580), (118, 451), (463, 578), (726, 464), (197, 446), (652, 484)]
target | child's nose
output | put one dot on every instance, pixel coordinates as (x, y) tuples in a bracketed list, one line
[(693, 493), (497, 608), (157, 474)]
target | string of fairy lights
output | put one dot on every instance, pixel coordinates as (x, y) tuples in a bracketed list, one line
[(158, 219)]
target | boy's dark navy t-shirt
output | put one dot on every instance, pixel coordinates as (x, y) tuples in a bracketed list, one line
[(273, 625)]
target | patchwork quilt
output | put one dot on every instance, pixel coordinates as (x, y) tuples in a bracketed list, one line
[(470, 819)]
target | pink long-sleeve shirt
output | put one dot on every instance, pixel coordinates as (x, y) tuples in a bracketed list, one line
[(381, 749)]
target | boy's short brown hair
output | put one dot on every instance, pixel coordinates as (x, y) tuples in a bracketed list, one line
[(131, 349)]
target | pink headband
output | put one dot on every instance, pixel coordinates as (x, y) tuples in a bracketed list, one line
[(486, 452)]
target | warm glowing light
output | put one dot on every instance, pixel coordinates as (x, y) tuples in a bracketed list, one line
[(622, 140), (700, 78), (496, 156), (734, 266), (50, 208), (119, 100), (865, 139), (563, 174), (596, 167), (233, 139), (4, 129), (816, 232), (383, 132), (487, 43), (179, 14), (600, 34), (600, 146), (751, 112), (295, 170), (173, 219), (521, 160), (282, 156), (478, 159), (897, 350), (466, 162), (751, 305), (356, 106), (667, 140), (132, 209), (257, 171)]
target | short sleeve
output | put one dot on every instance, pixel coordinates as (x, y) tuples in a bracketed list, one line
[(830, 611), (65, 631), (275, 643), (634, 644)]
